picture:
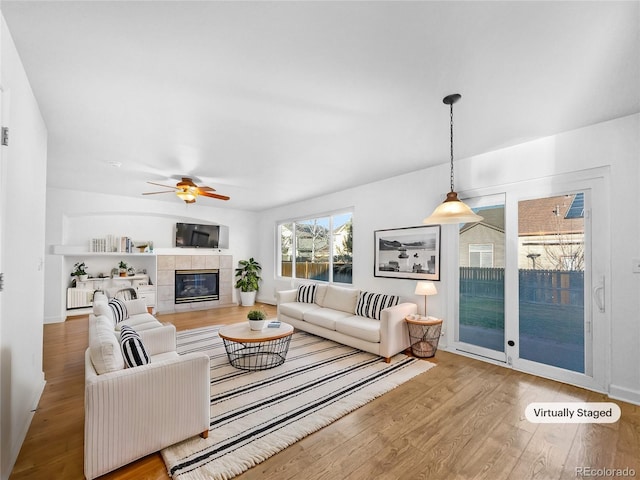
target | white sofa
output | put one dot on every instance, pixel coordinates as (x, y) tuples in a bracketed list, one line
[(132, 412), (331, 313), (137, 315)]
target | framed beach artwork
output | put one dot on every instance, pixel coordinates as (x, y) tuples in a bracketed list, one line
[(410, 252)]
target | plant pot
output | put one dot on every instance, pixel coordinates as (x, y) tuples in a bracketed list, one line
[(256, 324), (247, 299), (83, 278)]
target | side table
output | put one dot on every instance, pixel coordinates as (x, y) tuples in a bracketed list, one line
[(424, 334)]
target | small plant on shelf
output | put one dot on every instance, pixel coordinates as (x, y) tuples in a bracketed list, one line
[(80, 271), (122, 268)]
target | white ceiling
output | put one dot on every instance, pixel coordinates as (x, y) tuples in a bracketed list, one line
[(273, 102)]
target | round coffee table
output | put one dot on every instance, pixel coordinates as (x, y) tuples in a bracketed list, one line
[(256, 349)]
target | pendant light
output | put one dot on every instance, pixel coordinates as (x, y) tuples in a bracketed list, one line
[(452, 210)]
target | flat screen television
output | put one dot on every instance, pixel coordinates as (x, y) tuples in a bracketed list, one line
[(197, 235)]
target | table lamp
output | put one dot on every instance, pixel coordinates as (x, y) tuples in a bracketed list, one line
[(425, 289)]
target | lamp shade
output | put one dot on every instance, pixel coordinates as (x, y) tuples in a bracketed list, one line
[(452, 211), (426, 288)]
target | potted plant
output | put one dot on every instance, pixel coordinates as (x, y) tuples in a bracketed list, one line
[(257, 319), (247, 280), (122, 268), (80, 272)]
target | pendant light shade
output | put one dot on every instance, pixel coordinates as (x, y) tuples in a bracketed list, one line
[(452, 210)]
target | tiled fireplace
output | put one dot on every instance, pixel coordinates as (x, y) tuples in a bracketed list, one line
[(200, 281), (196, 285)]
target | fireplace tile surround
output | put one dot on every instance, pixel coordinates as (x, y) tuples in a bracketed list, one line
[(168, 264)]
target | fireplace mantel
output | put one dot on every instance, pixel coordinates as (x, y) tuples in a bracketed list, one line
[(167, 266)]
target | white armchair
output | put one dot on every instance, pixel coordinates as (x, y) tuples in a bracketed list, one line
[(132, 412)]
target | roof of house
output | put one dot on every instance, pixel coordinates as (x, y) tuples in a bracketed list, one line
[(541, 216), (492, 218), (552, 215)]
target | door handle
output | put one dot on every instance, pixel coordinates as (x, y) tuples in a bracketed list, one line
[(599, 297)]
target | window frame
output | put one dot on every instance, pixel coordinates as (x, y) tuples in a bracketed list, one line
[(480, 252), (291, 222)]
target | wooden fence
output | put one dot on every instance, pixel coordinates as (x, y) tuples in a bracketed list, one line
[(535, 286), (318, 271)]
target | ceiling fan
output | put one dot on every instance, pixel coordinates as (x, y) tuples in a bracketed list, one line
[(188, 191)]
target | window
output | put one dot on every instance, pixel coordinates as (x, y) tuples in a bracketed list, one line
[(317, 248), (481, 255)]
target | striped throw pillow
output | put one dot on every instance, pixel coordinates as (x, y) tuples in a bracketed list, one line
[(306, 293), (370, 305), (132, 348), (118, 309)]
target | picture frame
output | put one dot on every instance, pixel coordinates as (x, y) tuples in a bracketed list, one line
[(408, 252)]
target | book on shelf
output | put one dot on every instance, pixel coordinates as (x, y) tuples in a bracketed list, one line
[(111, 243)]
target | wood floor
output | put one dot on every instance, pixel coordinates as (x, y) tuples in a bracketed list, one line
[(462, 420)]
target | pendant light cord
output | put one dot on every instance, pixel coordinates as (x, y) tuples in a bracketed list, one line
[(451, 142)]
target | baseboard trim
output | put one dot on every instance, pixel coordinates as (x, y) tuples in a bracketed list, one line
[(624, 394), (17, 445)]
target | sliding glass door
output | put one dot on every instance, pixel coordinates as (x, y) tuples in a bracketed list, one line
[(481, 326), (531, 291), (551, 283)]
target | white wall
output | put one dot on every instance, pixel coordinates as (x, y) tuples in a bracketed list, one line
[(405, 200), (23, 219), (74, 217)]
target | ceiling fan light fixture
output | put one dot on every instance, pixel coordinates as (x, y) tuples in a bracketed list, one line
[(187, 194), (452, 210)]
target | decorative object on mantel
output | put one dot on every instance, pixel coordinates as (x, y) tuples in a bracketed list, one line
[(257, 319), (122, 268), (80, 272), (409, 252), (452, 210), (247, 280), (425, 289)]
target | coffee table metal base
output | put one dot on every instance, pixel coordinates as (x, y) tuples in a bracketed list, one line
[(256, 350), (257, 355)]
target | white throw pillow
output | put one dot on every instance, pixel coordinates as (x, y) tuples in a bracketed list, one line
[(135, 307), (340, 298), (103, 310), (104, 348), (321, 291)]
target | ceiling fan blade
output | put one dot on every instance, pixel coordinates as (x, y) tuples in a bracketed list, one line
[(206, 189), (214, 195), (154, 193), (160, 185)]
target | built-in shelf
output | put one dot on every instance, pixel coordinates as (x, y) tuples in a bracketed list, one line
[(75, 250)]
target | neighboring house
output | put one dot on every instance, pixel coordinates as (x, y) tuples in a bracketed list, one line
[(550, 235), (482, 244)]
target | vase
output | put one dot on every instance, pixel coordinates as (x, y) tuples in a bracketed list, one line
[(256, 324), (247, 299)]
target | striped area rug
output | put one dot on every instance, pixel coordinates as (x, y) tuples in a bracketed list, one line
[(257, 414)]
